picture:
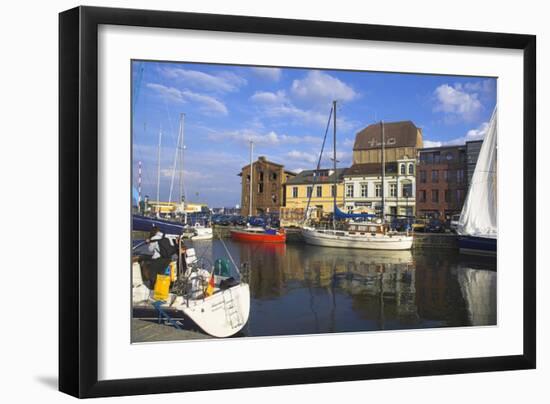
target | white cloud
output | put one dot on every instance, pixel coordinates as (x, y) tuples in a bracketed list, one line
[(457, 102), (221, 82), (279, 105), (473, 134), (321, 88), (206, 103), (302, 156), (269, 98), (269, 73), (270, 138)]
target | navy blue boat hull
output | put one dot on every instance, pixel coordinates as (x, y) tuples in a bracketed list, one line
[(144, 223), (480, 245)]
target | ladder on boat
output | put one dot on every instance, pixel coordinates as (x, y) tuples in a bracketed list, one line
[(232, 312)]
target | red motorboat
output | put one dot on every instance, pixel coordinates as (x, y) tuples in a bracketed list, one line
[(258, 234)]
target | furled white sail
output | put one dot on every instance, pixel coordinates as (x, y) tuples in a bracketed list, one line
[(479, 213)]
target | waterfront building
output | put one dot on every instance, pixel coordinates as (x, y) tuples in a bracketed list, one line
[(363, 187), (268, 187), (319, 184), (401, 139), (472, 153), (441, 181)]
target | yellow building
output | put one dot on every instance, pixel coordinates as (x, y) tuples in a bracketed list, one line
[(319, 184)]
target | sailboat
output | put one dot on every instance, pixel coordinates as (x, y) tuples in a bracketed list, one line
[(218, 303), (477, 226), (256, 233), (356, 234)]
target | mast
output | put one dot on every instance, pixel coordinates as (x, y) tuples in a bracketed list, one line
[(383, 173), (158, 172), (181, 149), (334, 161), (251, 178), (139, 186)]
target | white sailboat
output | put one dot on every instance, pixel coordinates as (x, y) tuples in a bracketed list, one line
[(221, 312), (477, 226), (364, 235)]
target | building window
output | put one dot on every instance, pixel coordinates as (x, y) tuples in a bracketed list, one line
[(435, 195), (364, 190), (273, 198), (402, 169), (333, 191), (261, 175), (437, 157), (309, 191), (274, 176), (459, 195), (446, 175), (422, 196), (448, 196), (319, 191), (349, 190), (449, 156), (407, 190), (295, 192), (435, 176), (393, 190), (378, 191), (411, 169), (423, 176), (261, 187), (460, 176), (393, 210)]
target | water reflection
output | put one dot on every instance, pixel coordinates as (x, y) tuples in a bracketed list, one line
[(302, 289)]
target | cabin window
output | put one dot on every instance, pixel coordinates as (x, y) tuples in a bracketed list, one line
[(411, 169), (460, 176), (422, 196), (407, 190), (295, 192), (423, 176), (393, 190), (319, 191), (364, 190), (402, 169), (309, 191), (349, 190)]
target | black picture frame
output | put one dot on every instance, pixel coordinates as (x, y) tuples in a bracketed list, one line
[(78, 196)]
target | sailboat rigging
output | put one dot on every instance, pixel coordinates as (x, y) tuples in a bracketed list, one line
[(356, 234)]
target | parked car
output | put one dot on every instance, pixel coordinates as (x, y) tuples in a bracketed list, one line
[(454, 222), (401, 224), (257, 221), (435, 226), (419, 225)]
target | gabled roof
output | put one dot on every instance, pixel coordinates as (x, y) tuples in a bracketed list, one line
[(396, 134), (306, 177)]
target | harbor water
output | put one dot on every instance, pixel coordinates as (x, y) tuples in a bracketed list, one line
[(301, 289)]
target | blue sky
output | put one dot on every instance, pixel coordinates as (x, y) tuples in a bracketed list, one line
[(285, 112)]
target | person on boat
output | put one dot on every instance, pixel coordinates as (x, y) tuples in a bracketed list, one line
[(163, 251)]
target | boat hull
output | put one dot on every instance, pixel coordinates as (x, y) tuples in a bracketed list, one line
[(221, 315), (243, 235), (397, 242), (477, 245), (144, 223)]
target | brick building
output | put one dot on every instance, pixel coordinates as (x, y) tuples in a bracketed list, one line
[(441, 181), (268, 187), (473, 148)]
